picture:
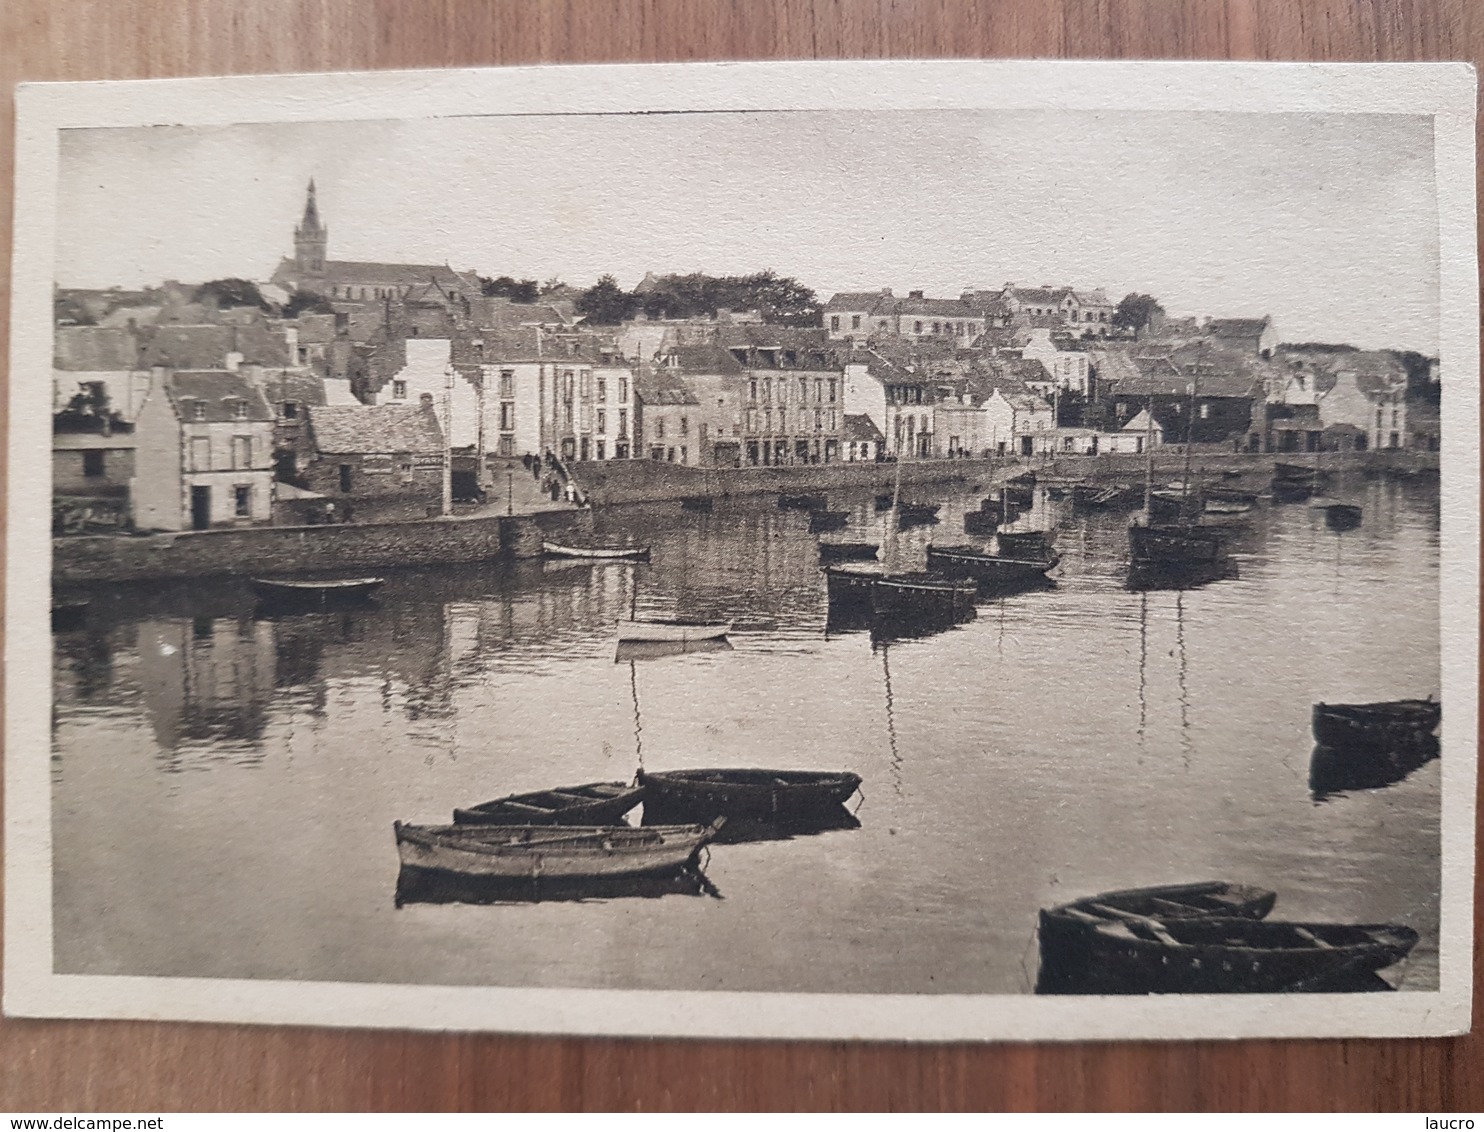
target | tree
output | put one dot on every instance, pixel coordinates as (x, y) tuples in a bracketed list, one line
[(516, 290), (231, 293), (306, 302), (605, 303), (1135, 312)]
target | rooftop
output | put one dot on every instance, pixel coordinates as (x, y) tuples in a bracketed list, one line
[(347, 430)]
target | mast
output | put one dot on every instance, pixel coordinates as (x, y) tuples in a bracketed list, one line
[(1149, 459), (889, 558)]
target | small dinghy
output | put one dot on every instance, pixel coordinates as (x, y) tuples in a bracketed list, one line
[(545, 852), (744, 792), (922, 594), (320, 591), (559, 550), (1238, 956), (1066, 931), (673, 629), (594, 803), (1004, 569), (1392, 725)]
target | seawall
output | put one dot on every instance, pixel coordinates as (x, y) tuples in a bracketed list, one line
[(274, 550)]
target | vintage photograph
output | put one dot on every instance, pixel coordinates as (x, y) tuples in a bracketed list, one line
[(987, 554)]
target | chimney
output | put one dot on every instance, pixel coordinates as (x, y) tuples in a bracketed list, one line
[(914, 294), (233, 360)]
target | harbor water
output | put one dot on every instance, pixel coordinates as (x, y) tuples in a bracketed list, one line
[(225, 779)]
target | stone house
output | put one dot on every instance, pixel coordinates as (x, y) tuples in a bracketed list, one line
[(1256, 337), (669, 425), (203, 452), (864, 442), (376, 464)]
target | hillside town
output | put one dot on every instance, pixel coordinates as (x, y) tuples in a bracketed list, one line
[(340, 391)]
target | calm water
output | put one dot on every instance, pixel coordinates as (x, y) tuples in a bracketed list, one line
[(225, 785)]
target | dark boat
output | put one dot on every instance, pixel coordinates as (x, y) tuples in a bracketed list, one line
[(802, 502), (1174, 544), (657, 650), (828, 520), (419, 886), (1292, 491), (917, 514), (1340, 516), (1019, 544), (745, 792), (1173, 506), (696, 503), (1393, 725), (751, 828), (319, 592), (1297, 473), (596, 553), (593, 803), (1237, 956), (848, 551), (1002, 569), (921, 594), (68, 615), (544, 853), (1333, 771), (1230, 495), (851, 585), (1066, 931)]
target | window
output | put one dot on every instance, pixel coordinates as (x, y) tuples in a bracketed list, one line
[(767, 420), (752, 390), (917, 328), (507, 384), (290, 410), (199, 411), (623, 423), (92, 462), (345, 478), (855, 322), (671, 456), (568, 384), (602, 450), (832, 390), (405, 469), (623, 391), (507, 416), (684, 454), (834, 422), (659, 428), (200, 454), (241, 451), (602, 389), (242, 500), (602, 423), (587, 385), (803, 390), (303, 355), (881, 325), (782, 420), (684, 425), (399, 390), (834, 322), (818, 420), (507, 446), (935, 328), (567, 413), (767, 389), (1205, 410), (1393, 418)]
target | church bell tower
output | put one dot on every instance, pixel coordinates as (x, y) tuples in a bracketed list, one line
[(311, 238)]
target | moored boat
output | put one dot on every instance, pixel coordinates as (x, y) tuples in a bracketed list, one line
[(1226, 507), (1173, 506), (848, 551), (561, 550), (1066, 931), (593, 803), (1237, 956), (316, 591), (542, 852), (850, 584), (921, 594), (672, 629), (1394, 724), (992, 569), (981, 522), (1302, 473), (1100, 497), (1019, 544), (748, 791), (1174, 544)]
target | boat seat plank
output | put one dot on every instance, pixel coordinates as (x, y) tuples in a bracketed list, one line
[(1309, 937)]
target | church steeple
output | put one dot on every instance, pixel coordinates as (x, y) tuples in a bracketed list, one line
[(311, 238)]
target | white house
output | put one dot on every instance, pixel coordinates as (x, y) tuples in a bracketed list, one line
[(1068, 368)]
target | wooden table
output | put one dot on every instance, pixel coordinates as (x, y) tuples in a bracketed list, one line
[(140, 1067)]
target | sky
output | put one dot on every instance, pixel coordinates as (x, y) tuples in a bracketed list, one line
[(1326, 222)]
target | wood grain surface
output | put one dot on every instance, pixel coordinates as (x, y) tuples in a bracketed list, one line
[(141, 1066)]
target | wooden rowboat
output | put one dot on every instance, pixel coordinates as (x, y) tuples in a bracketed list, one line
[(922, 594), (674, 629), (1066, 931), (1396, 724), (558, 853), (992, 569), (593, 803), (319, 591), (741, 792), (1238, 956), (559, 550)]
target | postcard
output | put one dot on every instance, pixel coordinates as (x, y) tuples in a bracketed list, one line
[(857, 550)]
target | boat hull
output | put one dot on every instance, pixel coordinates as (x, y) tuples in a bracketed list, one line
[(339, 591), (1174, 545), (545, 852), (1402, 725), (705, 794), (991, 569), (593, 803), (848, 551), (596, 553), (677, 632), (850, 586), (921, 595)]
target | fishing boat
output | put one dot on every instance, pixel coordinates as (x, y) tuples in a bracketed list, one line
[(921, 594), (593, 803), (828, 520), (1230, 495), (1201, 955), (1170, 544), (697, 503), (1298, 473), (1396, 724), (68, 615), (318, 591), (1168, 506), (1005, 568), (802, 502), (1066, 931), (417, 886), (745, 791), (629, 651), (850, 584), (848, 551), (541, 852), (606, 553), (672, 629), (1292, 491)]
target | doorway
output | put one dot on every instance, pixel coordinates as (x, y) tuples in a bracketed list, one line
[(200, 508)]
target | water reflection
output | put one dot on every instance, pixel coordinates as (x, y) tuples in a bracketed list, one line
[(1333, 773), (417, 886)]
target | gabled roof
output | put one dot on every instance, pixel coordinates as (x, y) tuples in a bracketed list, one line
[(857, 300), (375, 429), (95, 349), (859, 426), (204, 347), (1094, 298), (218, 392), (660, 385), (950, 308), (1040, 295), (293, 385), (1237, 327), (707, 358)]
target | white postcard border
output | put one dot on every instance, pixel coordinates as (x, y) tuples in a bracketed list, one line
[(31, 988)]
